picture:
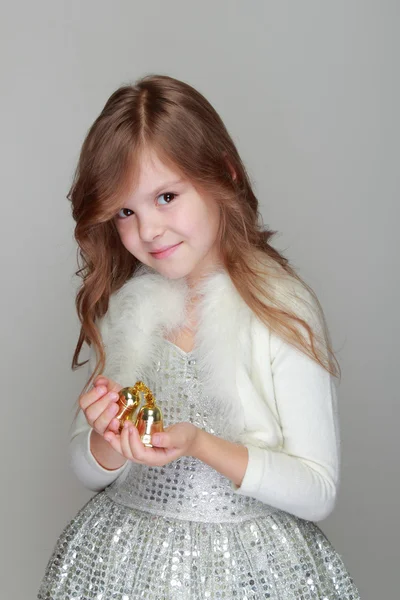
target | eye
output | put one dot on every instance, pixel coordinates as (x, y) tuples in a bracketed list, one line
[(168, 194), (121, 216)]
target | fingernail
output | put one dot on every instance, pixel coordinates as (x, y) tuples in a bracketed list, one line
[(114, 396), (101, 389), (155, 439)]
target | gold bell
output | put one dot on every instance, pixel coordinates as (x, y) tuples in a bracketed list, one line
[(149, 419), (128, 402)]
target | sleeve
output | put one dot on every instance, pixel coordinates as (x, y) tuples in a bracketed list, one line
[(83, 463), (303, 476)]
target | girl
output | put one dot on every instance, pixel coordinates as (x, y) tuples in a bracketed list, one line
[(182, 290)]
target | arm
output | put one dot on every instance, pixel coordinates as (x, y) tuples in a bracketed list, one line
[(92, 459), (227, 458), (303, 477)]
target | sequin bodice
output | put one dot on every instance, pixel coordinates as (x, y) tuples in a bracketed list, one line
[(185, 488)]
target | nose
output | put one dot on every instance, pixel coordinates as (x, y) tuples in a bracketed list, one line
[(150, 227)]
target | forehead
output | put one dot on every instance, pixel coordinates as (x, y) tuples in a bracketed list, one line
[(150, 173)]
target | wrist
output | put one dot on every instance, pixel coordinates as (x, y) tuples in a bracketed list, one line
[(197, 443), (228, 458), (102, 452)]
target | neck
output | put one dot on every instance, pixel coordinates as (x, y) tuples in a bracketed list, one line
[(195, 281)]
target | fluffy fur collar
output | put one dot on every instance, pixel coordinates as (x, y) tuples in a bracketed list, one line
[(149, 306)]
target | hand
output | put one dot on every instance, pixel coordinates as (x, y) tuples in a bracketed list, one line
[(100, 405), (175, 441)]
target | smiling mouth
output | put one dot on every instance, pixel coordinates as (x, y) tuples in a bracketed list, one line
[(166, 252)]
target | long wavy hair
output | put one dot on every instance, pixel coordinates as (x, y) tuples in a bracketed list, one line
[(175, 121)]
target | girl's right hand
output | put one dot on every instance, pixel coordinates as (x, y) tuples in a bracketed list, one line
[(100, 406)]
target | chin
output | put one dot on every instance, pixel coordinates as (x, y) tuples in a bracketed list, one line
[(172, 272)]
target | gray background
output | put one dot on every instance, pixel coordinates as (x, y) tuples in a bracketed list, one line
[(310, 93)]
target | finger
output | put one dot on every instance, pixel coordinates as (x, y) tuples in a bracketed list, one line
[(125, 442), (114, 441), (100, 414), (138, 449), (90, 397), (94, 410), (143, 455), (98, 406), (111, 385), (162, 440), (114, 426)]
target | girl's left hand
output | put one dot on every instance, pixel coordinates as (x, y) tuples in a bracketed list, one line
[(175, 441)]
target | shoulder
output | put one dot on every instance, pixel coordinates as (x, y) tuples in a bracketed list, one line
[(288, 291), (296, 310)]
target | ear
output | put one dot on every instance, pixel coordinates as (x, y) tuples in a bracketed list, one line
[(230, 167)]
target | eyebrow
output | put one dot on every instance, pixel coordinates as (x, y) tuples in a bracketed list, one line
[(165, 185)]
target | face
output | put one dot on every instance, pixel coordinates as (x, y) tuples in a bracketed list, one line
[(166, 224)]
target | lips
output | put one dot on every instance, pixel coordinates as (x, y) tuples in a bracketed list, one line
[(165, 252), (163, 249)]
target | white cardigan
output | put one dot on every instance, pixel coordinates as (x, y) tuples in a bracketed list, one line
[(286, 402)]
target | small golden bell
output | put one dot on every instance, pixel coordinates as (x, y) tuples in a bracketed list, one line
[(149, 420), (128, 402)]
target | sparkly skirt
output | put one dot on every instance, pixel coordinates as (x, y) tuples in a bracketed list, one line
[(112, 551)]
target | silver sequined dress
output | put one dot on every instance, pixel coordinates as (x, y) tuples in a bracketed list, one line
[(180, 531)]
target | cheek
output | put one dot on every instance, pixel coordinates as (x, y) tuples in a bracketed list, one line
[(184, 224), (211, 223), (200, 223), (131, 242), (127, 236)]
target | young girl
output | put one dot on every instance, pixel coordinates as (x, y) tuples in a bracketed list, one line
[(183, 291)]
